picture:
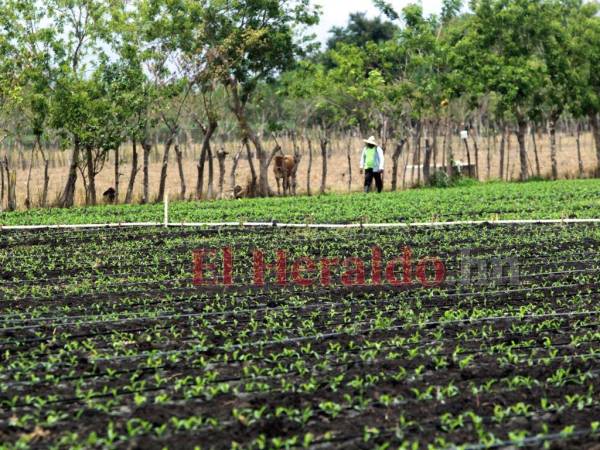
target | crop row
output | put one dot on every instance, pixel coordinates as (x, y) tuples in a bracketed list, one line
[(107, 343)]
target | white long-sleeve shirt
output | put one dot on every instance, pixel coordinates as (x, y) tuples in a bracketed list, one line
[(379, 159)]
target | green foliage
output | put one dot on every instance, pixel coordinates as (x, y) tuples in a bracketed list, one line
[(361, 30), (467, 199)]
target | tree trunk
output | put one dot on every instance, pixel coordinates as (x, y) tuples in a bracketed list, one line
[(211, 173), (579, 159), (552, 132), (248, 134), (395, 158), (502, 151), (91, 175), (491, 135), (475, 138), (12, 189), (535, 151), (179, 156), (221, 155), (236, 160), (428, 154), (117, 174), (508, 167), (309, 169), (44, 197), (208, 134), (417, 156), (427, 161), (444, 144), (595, 123), (324, 144), (134, 171), (200, 169), (253, 180), (406, 160), (28, 188), (165, 166), (450, 152), (1, 186), (147, 148), (466, 142), (521, 133), (434, 145), (68, 195), (349, 160)]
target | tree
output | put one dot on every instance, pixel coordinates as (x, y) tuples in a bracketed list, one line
[(82, 24), (35, 46), (250, 41), (361, 30), (586, 42), (504, 39)]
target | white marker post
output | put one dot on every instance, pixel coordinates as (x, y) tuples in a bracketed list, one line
[(166, 205)]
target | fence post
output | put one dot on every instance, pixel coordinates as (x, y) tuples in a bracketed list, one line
[(166, 207)]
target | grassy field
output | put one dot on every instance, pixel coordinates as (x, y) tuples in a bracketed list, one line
[(481, 201)]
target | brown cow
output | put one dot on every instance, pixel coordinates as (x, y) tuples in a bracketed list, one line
[(285, 169)]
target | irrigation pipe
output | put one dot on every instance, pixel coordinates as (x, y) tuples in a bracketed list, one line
[(175, 315), (276, 224)]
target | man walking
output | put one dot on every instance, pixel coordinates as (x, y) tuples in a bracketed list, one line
[(371, 161)]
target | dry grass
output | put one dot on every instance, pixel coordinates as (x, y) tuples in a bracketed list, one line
[(337, 180)]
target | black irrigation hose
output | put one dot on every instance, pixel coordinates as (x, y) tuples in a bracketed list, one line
[(193, 352), (192, 316), (123, 392), (187, 249), (503, 444), (182, 302), (177, 269), (488, 351), (267, 309), (327, 326), (376, 403), (326, 336), (223, 290), (341, 239), (227, 348), (110, 332)]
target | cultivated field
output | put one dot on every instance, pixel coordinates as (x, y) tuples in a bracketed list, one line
[(485, 201), (478, 336), (106, 342)]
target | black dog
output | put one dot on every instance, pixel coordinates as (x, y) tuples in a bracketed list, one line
[(110, 195)]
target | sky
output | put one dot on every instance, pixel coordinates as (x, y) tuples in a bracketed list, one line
[(336, 12)]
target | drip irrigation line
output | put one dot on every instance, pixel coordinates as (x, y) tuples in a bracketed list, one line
[(501, 444), (270, 363), (227, 348), (189, 300), (172, 316), (221, 289), (373, 362), (123, 275), (330, 335), (377, 403), (328, 326), (100, 250)]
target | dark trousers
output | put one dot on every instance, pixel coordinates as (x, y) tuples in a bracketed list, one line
[(369, 175)]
